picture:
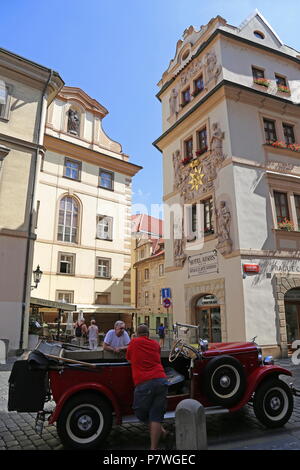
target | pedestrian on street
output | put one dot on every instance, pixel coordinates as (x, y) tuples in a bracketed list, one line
[(93, 333), (116, 340), (80, 332), (150, 380), (161, 334)]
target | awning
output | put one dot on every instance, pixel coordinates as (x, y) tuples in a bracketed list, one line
[(52, 304)]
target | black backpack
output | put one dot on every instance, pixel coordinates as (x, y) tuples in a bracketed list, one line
[(78, 331)]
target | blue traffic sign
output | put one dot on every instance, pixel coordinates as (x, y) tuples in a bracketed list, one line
[(166, 293)]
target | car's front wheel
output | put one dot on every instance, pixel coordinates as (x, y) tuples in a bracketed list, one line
[(273, 403), (85, 422)]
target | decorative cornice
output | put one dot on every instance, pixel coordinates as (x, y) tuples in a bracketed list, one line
[(96, 158)]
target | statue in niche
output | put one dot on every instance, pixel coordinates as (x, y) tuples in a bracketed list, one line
[(73, 122), (223, 229), (173, 101)]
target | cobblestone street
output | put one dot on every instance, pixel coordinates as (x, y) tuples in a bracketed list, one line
[(238, 431)]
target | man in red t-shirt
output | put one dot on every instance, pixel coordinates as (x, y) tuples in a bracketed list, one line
[(150, 380)]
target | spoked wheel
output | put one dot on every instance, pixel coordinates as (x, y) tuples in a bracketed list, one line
[(273, 403), (85, 422)]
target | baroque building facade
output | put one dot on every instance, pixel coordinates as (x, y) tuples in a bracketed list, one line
[(26, 91), (84, 222), (231, 133)]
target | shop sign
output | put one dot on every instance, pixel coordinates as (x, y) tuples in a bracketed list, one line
[(203, 263)]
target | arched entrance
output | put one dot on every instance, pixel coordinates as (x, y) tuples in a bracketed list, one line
[(292, 314), (208, 317)]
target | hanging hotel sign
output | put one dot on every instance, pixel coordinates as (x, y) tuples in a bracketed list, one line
[(204, 263)]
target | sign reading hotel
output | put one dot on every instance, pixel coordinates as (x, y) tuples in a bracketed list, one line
[(204, 263)]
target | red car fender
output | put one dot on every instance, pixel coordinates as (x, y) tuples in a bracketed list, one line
[(255, 378), (85, 387)]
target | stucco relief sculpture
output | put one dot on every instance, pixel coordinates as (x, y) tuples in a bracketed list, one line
[(212, 69), (216, 148), (179, 243), (223, 217), (173, 102), (73, 122), (191, 71)]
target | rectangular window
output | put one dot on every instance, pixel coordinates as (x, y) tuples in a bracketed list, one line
[(280, 81), (66, 263), (5, 94), (147, 321), (297, 204), (161, 269), (102, 298), (281, 205), (257, 73), (72, 169), (194, 218), (208, 211), (146, 274), (186, 97), (146, 298), (202, 141), (106, 179), (288, 132), (104, 227), (103, 267), (142, 254), (198, 85), (188, 148), (65, 296), (270, 131)]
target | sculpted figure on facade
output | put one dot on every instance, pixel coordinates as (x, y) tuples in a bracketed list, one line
[(216, 145), (73, 122), (223, 229), (173, 102), (212, 70), (179, 243)]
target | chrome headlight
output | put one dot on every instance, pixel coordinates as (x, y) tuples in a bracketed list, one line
[(268, 361), (259, 355)]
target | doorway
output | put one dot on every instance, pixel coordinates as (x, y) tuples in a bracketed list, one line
[(292, 315), (208, 317)]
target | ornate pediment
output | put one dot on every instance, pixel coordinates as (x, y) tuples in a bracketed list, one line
[(76, 95)]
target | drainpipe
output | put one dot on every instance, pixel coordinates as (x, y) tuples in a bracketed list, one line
[(30, 233)]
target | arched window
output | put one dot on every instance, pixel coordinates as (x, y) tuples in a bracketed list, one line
[(68, 220)]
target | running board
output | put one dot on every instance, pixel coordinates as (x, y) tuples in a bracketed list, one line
[(211, 410)]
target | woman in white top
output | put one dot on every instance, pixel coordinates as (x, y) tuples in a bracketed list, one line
[(93, 335)]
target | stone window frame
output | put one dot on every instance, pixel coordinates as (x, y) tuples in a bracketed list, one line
[(72, 160), (109, 237), (78, 233), (68, 292), (111, 173), (183, 102), (291, 189), (97, 275), (279, 121), (6, 111), (106, 294), (59, 260)]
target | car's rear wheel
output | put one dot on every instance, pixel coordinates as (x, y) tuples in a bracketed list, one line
[(84, 422), (224, 381), (273, 403)]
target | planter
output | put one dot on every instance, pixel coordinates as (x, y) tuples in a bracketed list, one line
[(262, 82), (32, 341)]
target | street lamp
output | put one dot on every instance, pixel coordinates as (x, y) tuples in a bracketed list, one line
[(37, 274)]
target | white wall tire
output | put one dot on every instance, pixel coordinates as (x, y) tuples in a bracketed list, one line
[(273, 403)]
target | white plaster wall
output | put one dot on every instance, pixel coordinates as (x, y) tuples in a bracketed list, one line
[(254, 215), (88, 126), (237, 62)]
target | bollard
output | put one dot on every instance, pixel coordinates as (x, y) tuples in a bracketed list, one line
[(190, 426)]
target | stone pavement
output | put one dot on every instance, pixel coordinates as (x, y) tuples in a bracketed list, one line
[(224, 432)]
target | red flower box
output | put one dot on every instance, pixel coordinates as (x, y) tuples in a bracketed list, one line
[(201, 151)]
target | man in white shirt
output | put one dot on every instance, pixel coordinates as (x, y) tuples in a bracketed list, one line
[(116, 340)]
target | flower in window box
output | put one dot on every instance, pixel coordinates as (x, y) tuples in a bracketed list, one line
[(283, 88), (201, 151), (294, 147), (262, 82), (286, 224), (277, 144), (187, 160)]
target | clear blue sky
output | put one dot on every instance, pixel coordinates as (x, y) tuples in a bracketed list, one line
[(117, 50)]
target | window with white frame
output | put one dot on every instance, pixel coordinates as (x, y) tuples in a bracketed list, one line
[(103, 267), (65, 296), (106, 179), (66, 263), (104, 227), (72, 169), (68, 220)]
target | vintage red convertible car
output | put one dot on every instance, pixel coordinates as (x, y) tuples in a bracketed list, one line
[(90, 395)]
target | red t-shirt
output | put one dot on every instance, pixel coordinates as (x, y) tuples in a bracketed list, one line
[(144, 356)]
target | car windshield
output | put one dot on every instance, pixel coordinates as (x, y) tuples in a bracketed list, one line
[(188, 333)]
